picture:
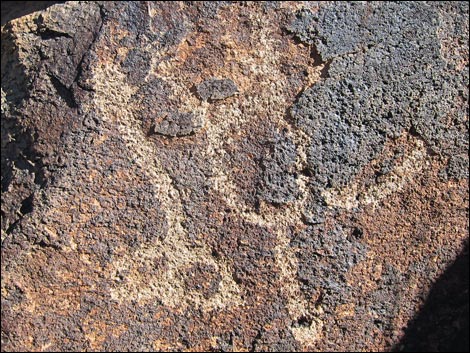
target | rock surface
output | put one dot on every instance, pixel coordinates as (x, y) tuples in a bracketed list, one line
[(253, 176)]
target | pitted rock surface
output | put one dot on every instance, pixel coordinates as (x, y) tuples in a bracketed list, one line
[(233, 176), (215, 89)]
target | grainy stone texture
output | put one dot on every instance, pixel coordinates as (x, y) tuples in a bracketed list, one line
[(214, 89), (231, 176)]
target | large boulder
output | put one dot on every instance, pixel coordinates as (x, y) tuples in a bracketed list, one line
[(234, 176)]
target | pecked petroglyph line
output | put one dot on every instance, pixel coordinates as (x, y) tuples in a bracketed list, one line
[(113, 101), (353, 196), (265, 96)]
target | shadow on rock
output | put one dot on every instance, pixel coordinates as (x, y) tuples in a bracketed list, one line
[(442, 324), (15, 9)]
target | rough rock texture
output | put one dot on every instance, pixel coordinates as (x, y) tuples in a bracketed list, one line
[(214, 89), (234, 176)]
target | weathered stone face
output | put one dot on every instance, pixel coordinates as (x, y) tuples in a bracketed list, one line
[(384, 77), (215, 89), (271, 176)]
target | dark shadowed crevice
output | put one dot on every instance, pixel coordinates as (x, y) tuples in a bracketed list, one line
[(82, 62), (325, 69), (315, 55), (12, 226), (63, 92), (45, 244), (255, 341), (27, 205), (48, 34)]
